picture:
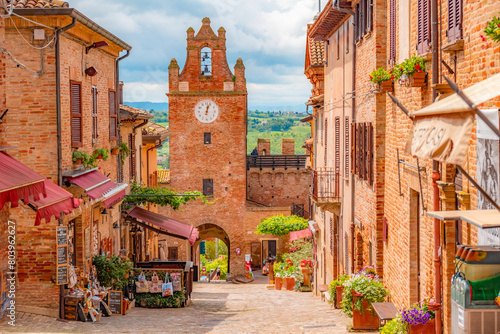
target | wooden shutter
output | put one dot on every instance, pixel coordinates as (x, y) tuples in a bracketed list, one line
[(94, 113), (392, 32), (353, 148), (454, 20), (337, 146), (424, 26), (369, 15), (131, 144), (208, 187), (357, 22), (359, 149), (113, 125), (76, 114), (369, 164), (363, 152), (346, 147), (331, 236), (326, 142), (362, 18)]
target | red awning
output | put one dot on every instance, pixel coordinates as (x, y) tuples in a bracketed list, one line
[(17, 181), (58, 200), (113, 199), (98, 186), (90, 180), (165, 225), (300, 234), (102, 190)]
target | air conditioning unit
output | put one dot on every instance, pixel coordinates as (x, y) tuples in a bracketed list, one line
[(474, 321)]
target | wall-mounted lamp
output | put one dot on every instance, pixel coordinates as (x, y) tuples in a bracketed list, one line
[(96, 45), (104, 212), (91, 71), (115, 225)]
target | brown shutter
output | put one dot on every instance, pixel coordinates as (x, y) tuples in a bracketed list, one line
[(331, 236), (337, 145), (112, 116), (369, 15), (131, 144), (94, 113), (363, 151), (454, 20), (362, 18), (359, 153), (357, 22), (76, 114), (424, 26), (346, 147), (392, 32), (370, 152), (326, 141), (353, 148)]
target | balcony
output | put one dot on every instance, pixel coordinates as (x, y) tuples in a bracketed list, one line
[(275, 161), (325, 187)]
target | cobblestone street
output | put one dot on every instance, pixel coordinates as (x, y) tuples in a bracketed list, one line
[(215, 308)]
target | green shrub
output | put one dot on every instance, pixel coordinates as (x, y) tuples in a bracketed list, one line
[(281, 225), (111, 272)]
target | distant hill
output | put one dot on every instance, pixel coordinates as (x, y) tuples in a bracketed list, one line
[(157, 106), (296, 108)]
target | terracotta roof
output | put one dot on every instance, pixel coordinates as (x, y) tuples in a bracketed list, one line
[(156, 129), (329, 20), (134, 113), (317, 52), (163, 175), (39, 3)]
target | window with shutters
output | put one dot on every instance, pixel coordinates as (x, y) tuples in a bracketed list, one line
[(131, 144), (346, 147), (76, 114), (423, 26), (454, 20), (354, 132), (392, 32), (331, 236), (357, 34), (337, 147), (347, 39), (363, 19), (94, 113), (363, 149), (322, 127), (208, 187), (338, 44), (326, 142), (113, 124)]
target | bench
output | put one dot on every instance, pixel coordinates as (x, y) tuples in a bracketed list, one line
[(322, 289), (385, 311)]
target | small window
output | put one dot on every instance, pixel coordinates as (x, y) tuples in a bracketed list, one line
[(207, 138), (206, 61), (208, 187), (95, 132)]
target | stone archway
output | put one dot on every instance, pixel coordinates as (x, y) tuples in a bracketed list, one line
[(209, 230)]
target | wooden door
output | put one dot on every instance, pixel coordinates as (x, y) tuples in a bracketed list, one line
[(256, 256)]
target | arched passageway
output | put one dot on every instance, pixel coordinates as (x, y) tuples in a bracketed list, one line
[(211, 231)]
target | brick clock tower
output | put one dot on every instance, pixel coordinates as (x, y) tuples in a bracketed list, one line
[(207, 120)]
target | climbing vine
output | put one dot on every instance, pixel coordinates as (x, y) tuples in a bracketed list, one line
[(281, 225)]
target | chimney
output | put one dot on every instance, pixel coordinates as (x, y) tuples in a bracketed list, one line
[(288, 146), (264, 146)]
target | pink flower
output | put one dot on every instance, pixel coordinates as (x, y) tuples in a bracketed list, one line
[(420, 71), (483, 38), (371, 77)]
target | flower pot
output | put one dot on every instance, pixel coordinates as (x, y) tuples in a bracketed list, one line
[(278, 283), (386, 86), (290, 283), (115, 151), (305, 273), (339, 295), (78, 161), (366, 319), (418, 79), (427, 328)]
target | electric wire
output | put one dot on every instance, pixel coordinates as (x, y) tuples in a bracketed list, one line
[(21, 65), (37, 23), (31, 45), (8, 11)]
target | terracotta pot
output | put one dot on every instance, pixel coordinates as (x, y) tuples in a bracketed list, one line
[(386, 86), (418, 79), (115, 151), (278, 283), (305, 273), (427, 328), (78, 161), (339, 295), (290, 283), (365, 320)]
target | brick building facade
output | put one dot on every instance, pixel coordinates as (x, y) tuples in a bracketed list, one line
[(392, 190), (39, 85)]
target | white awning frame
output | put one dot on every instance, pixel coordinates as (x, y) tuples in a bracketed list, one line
[(484, 219)]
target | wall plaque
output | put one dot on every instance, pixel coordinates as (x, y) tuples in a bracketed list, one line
[(184, 86)]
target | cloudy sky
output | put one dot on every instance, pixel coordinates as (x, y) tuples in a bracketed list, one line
[(269, 35)]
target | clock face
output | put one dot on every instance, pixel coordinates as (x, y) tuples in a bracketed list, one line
[(206, 111)]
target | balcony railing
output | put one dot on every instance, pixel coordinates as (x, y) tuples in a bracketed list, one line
[(326, 185), (274, 161)]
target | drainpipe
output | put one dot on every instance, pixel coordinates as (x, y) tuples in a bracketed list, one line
[(437, 241), (353, 177), (59, 140), (147, 157), (118, 94), (435, 46), (58, 100)]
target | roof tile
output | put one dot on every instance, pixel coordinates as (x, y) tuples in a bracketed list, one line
[(317, 52), (39, 3)]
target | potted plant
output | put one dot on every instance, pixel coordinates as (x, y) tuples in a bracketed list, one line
[(101, 153), (124, 152), (115, 150), (492, 30), (306, 268), (80, 157), (395, 326), (112, 272), (382, 78), (336, 290), (414, 69), (363, 289), (278, 273), (419, 318)]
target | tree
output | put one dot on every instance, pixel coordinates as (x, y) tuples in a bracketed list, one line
[(210, 250), (280, 225)]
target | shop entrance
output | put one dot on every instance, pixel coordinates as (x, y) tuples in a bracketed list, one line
[(268, 247), (211, 253)]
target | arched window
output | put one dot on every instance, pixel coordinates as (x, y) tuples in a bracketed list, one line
[(206, 61)]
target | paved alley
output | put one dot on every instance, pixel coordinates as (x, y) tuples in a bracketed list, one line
[(215, 308)]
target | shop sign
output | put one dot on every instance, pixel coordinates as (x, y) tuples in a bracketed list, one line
[(62, 255)]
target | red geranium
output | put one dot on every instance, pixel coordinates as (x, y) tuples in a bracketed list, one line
[(417, 66)]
